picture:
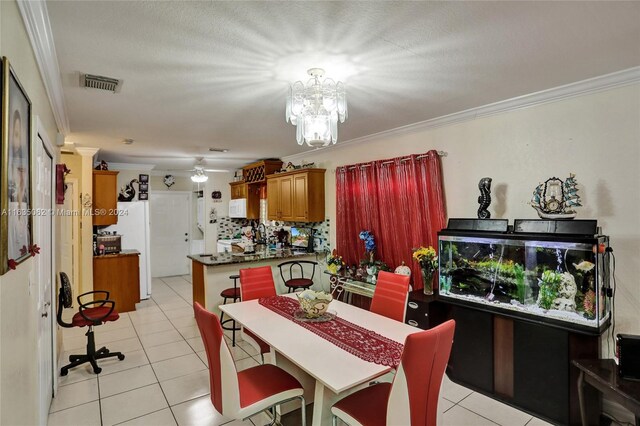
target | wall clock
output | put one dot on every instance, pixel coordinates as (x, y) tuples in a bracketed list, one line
[(169, 180)]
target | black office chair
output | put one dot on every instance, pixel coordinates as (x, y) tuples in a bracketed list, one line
[(294, 282), (86, 316)]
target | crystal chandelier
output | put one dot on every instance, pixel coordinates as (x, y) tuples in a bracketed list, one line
[(199, 176), (316, 109)]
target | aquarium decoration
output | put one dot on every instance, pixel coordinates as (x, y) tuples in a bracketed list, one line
[(485, 198), (556, 199)]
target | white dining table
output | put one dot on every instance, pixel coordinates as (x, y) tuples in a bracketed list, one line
[(334, 372)]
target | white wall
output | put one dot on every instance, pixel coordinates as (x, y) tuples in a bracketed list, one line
[(596, 136), (216, 182), (18, 326)]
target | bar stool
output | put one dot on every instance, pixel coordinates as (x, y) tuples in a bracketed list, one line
[(230, 293)]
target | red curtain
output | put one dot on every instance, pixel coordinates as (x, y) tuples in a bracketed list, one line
[(400, 200)]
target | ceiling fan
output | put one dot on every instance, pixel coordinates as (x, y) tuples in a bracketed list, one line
[(200, 165)]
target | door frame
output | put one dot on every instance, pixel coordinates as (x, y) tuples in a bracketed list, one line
[(41, 134), (74, 196), (189, 213)]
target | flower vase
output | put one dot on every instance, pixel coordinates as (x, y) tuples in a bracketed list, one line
[(333, 268), (427, 280)]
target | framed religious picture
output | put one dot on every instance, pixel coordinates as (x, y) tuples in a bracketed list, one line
[(15, 180)]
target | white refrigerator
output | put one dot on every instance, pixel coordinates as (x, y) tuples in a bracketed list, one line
[(133, 225)]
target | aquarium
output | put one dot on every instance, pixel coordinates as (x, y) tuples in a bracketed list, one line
[(560, 279)]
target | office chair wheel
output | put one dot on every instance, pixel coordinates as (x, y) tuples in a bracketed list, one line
[(121, 357), (64, 372), (97, 370)]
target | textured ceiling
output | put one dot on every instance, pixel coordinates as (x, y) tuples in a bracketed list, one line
[(204, 74)]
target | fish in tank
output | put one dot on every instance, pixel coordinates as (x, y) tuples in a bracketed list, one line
[(559, 280)]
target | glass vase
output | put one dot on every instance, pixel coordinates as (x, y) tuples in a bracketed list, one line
[(427, 280)]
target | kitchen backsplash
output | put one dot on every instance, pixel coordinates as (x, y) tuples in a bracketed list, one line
[(230, 227)]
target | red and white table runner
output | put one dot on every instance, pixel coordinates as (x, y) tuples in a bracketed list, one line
[(358, 341)]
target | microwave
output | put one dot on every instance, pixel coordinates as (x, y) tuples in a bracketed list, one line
[(238, 208)]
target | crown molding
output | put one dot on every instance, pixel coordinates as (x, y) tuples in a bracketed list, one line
[(131, 166), (579, 88), (38, 27), (85, 151)]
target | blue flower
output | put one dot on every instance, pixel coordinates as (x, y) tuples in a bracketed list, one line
[(369, 240)]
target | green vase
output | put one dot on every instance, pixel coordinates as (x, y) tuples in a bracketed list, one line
[(427, 280)]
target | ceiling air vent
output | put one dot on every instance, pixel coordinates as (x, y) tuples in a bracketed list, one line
[(100, 82)]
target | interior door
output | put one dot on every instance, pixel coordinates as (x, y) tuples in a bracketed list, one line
[(43, 233), (170, 225)]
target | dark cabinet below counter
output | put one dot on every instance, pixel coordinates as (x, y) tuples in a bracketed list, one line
[(119, 274)]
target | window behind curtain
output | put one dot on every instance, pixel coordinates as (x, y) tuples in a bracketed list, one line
[(401, 201)]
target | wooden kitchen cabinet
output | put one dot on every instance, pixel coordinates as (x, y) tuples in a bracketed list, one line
[(119, 274), (105, 197), (296, 196), (251, 192), (238, 190)]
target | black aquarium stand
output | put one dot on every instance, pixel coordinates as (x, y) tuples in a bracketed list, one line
[(523, 363)]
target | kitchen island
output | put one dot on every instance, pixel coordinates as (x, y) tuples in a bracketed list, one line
[(210, 273)]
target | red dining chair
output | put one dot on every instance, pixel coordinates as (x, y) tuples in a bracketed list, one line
[(390, 296), (254, 284), (242, 394), (412, 397)]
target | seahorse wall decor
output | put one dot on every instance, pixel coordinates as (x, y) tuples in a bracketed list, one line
[(485, 198)]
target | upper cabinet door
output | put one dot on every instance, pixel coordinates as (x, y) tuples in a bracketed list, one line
[(300, 200), (273, 198), (286, 198), (105, 197)]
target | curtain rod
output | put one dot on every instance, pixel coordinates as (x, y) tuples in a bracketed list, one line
[(440, 153)]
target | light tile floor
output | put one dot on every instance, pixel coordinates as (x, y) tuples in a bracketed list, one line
[(164, 378)]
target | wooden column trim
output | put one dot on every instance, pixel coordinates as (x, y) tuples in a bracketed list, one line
[(503, 356), (197, 281)]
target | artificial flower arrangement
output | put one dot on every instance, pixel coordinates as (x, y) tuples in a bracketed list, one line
[(334, 262), (426, 257), (370, 248), (428, 260)]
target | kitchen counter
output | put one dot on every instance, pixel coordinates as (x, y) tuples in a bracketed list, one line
[(119, 274), (129, 252), (210, 274), (230, 258)]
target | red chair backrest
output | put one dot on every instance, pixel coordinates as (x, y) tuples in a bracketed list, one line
[(390, 295), (212, 337), (419, 376), (256, 283)]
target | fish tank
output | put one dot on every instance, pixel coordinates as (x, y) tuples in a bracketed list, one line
[(553, 278)]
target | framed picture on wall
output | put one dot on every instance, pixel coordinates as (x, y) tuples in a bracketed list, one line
[(15, 181), (143, 178), (143, 187), (142, 196)]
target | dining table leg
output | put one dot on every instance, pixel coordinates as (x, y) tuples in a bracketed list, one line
[(323, 399)]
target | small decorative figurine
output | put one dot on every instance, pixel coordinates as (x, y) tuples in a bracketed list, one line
[(485, 198), (102, 166), (555, 199), (127, 192)]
